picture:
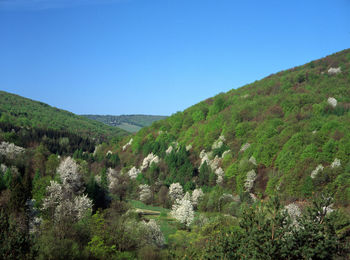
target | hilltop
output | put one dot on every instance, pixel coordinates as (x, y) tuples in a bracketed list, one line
[(24, 112), (287, 134), (130, 123)]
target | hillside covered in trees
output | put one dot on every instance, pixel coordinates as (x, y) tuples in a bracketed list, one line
[(130, 123), (259, 172), (24, 112), (292, 129)]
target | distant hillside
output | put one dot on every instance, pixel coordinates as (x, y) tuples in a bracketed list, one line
[(25, 112), (130, 123), (287, 134)]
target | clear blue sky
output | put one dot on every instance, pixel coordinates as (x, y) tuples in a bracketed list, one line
[(157, 56)]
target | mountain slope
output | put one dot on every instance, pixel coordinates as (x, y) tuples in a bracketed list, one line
[(25, 112), (275, 132), (130, 123)]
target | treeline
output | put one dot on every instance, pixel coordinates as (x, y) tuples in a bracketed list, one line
[(56, 141)]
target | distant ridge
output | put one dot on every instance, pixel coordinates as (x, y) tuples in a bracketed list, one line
[(130, 123), (24, 112)]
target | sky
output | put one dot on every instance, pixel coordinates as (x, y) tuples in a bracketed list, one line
[(157, 56)]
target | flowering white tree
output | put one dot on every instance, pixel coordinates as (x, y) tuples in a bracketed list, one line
[(196, 195), (145, 192), (154, 234), (70, 176), (10, 150), (336, 163), (175, 191), (249, 182), (133, 172), (332, 101), (294, 212), (151, 158), (183, 211), (66, 201)]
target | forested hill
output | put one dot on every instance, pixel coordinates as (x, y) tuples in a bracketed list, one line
[(130, 123), (24, 112), (288, 133)]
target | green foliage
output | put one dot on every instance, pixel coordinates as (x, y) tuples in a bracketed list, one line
[(307, 187), (329, 149), (39, 188), (179, 166), (98, 249), (25, 112), (266, 231), (198, 116), (52, 164), (14, 241), (8, 178)]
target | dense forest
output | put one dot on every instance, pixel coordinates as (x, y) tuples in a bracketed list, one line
[(24, 112), (130, 123), (259, 172)]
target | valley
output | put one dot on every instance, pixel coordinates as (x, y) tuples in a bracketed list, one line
[(258, 172)]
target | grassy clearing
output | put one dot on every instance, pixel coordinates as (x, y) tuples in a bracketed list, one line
[(140, 205), (167, 224)]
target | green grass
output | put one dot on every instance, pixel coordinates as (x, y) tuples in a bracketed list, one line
[(140, 205), (167, 224)]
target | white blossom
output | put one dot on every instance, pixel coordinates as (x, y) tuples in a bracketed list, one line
[(206, 159), (332, 101), (145, 192), (151, 158), (98, 179), (65, 201), (252, 160), (183, 211), (245, 147), (188, 147), (3, 168), (220, 175), (175, 191), (128, 144), (133, 172), (294, 212), (154, 234), (196, 195), (109, 152), (169, 150), (70, 176), (318, 169), (10, 150), (253, 197), (251, 176), (82, 205), (214, 164), (218, 143), (336, 163), (333, 71), (225, 153), (113, 181), (54, 195), (97, 147)]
